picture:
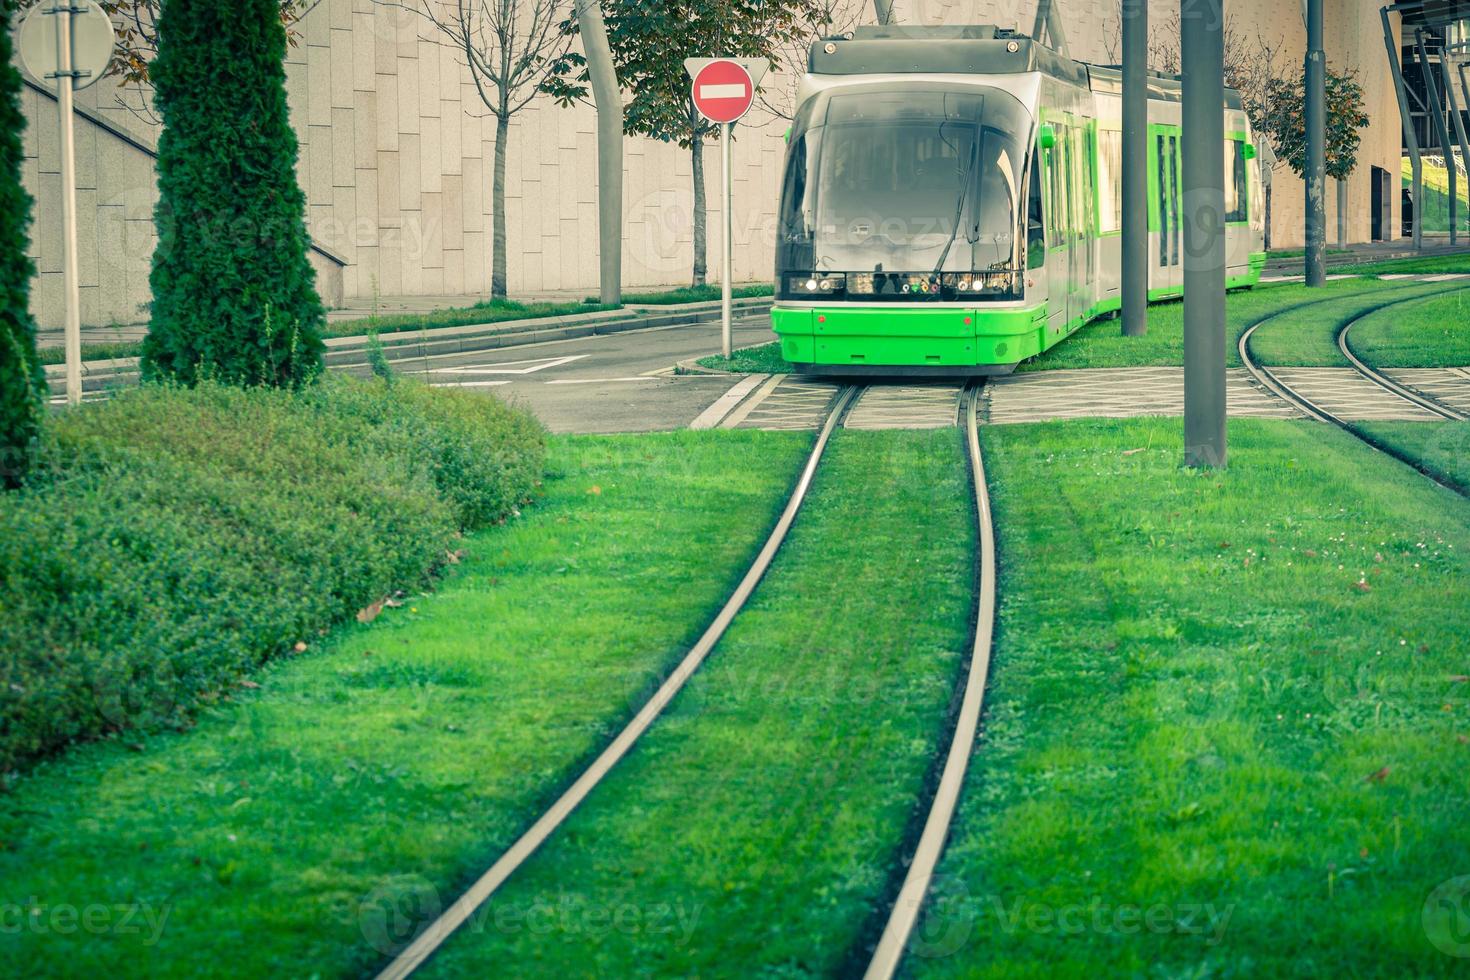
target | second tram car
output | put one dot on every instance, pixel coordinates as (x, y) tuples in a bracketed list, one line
[(952, 202)]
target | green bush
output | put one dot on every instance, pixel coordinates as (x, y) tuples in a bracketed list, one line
[(173, 539), (22, 381), (234, 296)]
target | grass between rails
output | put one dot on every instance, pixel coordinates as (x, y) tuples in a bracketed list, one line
[(754, 829), (1208, 750), (1434, 333), (398, 761), (1308, 337)]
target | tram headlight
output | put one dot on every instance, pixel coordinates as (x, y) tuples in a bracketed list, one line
[(991, 283), (816, 284)]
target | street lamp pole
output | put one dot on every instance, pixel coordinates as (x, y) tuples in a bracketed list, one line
[(1202, 57), (1135, 168)]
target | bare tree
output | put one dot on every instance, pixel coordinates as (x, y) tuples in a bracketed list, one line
[(509, 47), (136, 23), (825, 18)]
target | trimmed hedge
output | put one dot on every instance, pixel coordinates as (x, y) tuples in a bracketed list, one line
[(173, 539)]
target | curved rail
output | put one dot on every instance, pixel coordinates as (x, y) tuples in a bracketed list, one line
[(910, 901), (434, 936), (1282, 390), (1388, 384)]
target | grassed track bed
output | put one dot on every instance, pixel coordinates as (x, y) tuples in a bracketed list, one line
[(1432, 333), (1209, 749), (756, 827), (1101, 344), (397, 762)]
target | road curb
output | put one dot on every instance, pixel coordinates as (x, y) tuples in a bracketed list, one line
[(404, 346)]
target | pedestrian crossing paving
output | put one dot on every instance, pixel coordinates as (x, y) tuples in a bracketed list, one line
[(933, 406), (785, 402), (1116, 393)]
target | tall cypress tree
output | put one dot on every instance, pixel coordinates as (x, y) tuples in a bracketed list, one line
[(234, 296), (22, 380)]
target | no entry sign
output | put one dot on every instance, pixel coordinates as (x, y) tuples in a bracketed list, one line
[(723, 91)]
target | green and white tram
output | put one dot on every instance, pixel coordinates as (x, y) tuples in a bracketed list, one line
[(952, 202)]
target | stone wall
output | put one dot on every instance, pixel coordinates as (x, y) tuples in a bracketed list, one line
[(397, 150)]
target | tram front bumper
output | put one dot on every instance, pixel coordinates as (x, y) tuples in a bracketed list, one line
[(866, 338)]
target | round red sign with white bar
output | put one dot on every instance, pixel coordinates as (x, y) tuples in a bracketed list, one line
[(723, 91)]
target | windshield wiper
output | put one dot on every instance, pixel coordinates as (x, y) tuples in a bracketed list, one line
[(959, 208)]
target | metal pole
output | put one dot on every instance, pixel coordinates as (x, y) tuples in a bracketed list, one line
[(1406, 117), (1454, 106), (1316, 83), (71, 284), (1202, 55), (725, 289), (1135, 168), (1435, 111)]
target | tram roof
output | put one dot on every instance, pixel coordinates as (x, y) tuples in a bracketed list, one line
[(973, 50), (980, 49)]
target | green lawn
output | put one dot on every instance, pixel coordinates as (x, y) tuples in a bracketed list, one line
[(1228, 728), (755, 830), (1442, 448), (764, 359), (693, 294), (1433, 265), (1102, 344), (398, 759), (1433, 333)]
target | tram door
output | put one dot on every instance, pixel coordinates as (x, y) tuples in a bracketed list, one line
[(1168, 259)]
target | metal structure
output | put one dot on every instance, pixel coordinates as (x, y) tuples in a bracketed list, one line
[(1049, 23), (1316, 177), (1135, 168), (1202, 49), (1442, 133), (1420, 15)]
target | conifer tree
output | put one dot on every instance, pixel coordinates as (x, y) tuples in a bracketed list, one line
[(22, 380), (234, 296)]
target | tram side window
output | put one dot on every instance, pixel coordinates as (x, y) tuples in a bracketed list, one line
[(1110, 179), (1035, 219), (1236, 193)]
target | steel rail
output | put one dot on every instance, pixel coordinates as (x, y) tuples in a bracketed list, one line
[(1388, 384), (1282, 390), (888, 953), (434, 936)]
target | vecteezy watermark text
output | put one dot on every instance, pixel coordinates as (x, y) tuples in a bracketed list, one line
[(97, 919), (1097, 916)]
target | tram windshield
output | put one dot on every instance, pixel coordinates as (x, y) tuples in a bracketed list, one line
[(914, 183)]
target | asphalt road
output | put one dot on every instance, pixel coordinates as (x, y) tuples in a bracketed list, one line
[(614, 383)]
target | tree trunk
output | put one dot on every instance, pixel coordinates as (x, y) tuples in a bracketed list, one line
[(497, 210), (609, 102), (701, 223)]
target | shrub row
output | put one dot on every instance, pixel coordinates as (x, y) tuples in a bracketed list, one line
[(173, 539)]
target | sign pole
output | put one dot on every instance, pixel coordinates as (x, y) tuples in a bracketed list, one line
[(726, 291), (71, 279), (722, 90)]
